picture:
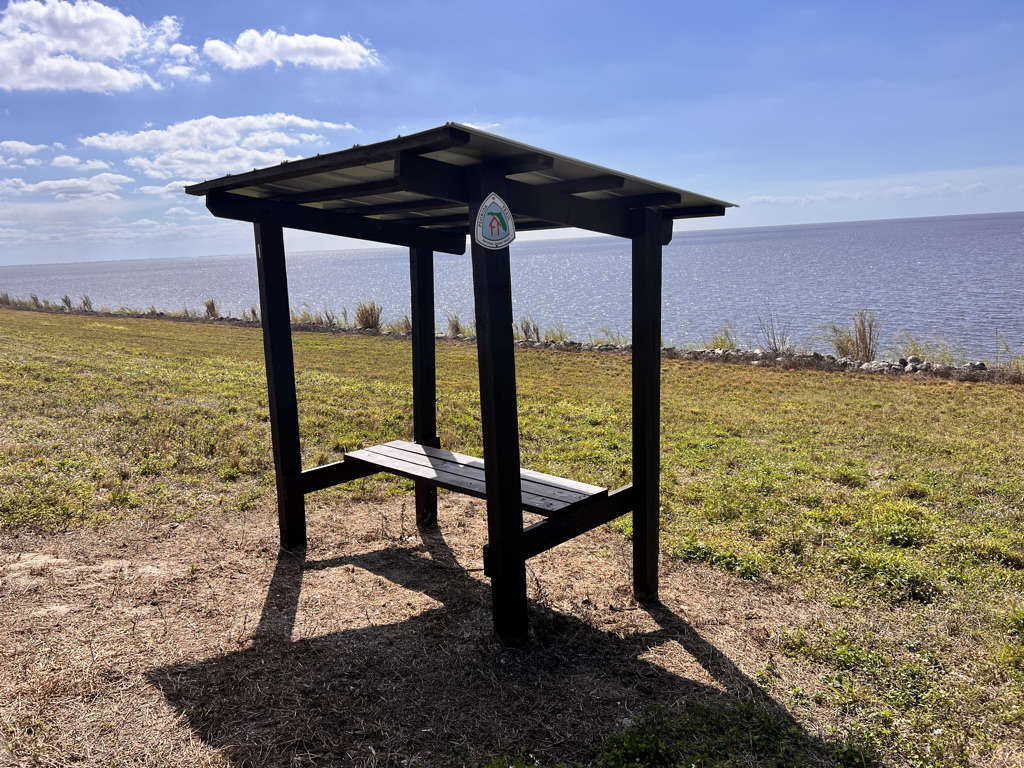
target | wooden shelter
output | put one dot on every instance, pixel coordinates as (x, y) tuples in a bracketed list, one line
[(426, 192)]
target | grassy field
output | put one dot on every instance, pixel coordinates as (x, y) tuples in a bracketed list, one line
[(897, 503)]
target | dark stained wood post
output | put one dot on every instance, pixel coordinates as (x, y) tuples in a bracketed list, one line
[(492, 290), (648, 235), (424, 381), (284, 410)]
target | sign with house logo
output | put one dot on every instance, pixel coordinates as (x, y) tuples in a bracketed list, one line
[(494, 227)]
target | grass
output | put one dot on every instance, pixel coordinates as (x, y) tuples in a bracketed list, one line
[(368, 315), (776, 332), (936, 350), (897, 506), (723, 338), (859, 340), (455, 326), (527, 329)]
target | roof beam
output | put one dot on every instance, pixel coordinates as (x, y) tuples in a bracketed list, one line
[(405, 206), (431, 177), (695, 211), (436, 221), (526, 226), (240, 208), (530, 162), (447, 181), (349, 191), (649, 201), (589, 184)]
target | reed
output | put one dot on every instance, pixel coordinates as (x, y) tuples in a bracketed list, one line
[(210, 305), (368, 315), (935, 350), (612, 336), (526, 329), (401, 325), (859, 340), (776, 332), (723, 338), (455, 326), (556, 333), (1005, 357)]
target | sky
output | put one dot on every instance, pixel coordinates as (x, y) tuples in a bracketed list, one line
[(798, 112)]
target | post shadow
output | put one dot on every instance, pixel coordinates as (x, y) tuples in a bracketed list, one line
[(438, 688)]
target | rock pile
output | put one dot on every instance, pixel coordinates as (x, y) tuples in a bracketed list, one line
[(816, 360)]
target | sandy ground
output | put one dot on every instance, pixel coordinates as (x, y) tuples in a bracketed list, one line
[(198, 644)]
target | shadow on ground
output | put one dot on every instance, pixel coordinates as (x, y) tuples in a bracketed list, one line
[(437, 689)]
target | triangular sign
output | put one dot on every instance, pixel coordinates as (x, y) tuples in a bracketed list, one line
[(494, 227)]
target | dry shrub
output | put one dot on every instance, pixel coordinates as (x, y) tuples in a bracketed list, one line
[(368, 315), (776, 332), (402, 325), (934, 350), (527, 329), (859, 340)]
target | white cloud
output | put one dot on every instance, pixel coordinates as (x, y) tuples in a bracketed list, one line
[(178, 211), (104, 220), (20, 147), (211, 146), (253, 49), (67, 161), (184, 72), (101, 186), (85, 45), (184, 52), (170, 191), (209, 162)]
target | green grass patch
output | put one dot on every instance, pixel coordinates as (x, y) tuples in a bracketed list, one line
[(899, 503)]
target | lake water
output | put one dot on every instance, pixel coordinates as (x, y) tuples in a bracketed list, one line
[(959, 278)]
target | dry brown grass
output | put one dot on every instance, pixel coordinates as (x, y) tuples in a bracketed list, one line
[(194, 643)]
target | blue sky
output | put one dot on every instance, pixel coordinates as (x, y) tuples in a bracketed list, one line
[(799, 112)]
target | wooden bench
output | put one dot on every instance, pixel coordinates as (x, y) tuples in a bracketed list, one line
[(544, 494)]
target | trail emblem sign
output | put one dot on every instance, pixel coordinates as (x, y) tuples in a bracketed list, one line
[(494, 227)]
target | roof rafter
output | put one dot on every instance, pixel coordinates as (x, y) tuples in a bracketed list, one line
[(226, 205)]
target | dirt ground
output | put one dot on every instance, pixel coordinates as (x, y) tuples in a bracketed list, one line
[(196, 643)]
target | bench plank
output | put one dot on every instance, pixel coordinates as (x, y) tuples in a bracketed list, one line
[(472, 461), (471, 467), (542, 493)]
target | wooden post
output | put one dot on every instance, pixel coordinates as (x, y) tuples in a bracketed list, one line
[(284, 409), (492, 289), (424, 379), (648, 233)]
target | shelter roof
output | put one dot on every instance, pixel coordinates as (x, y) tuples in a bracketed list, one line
[(413, 190)]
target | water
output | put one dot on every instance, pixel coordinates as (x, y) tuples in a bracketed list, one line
[(958, 278)]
